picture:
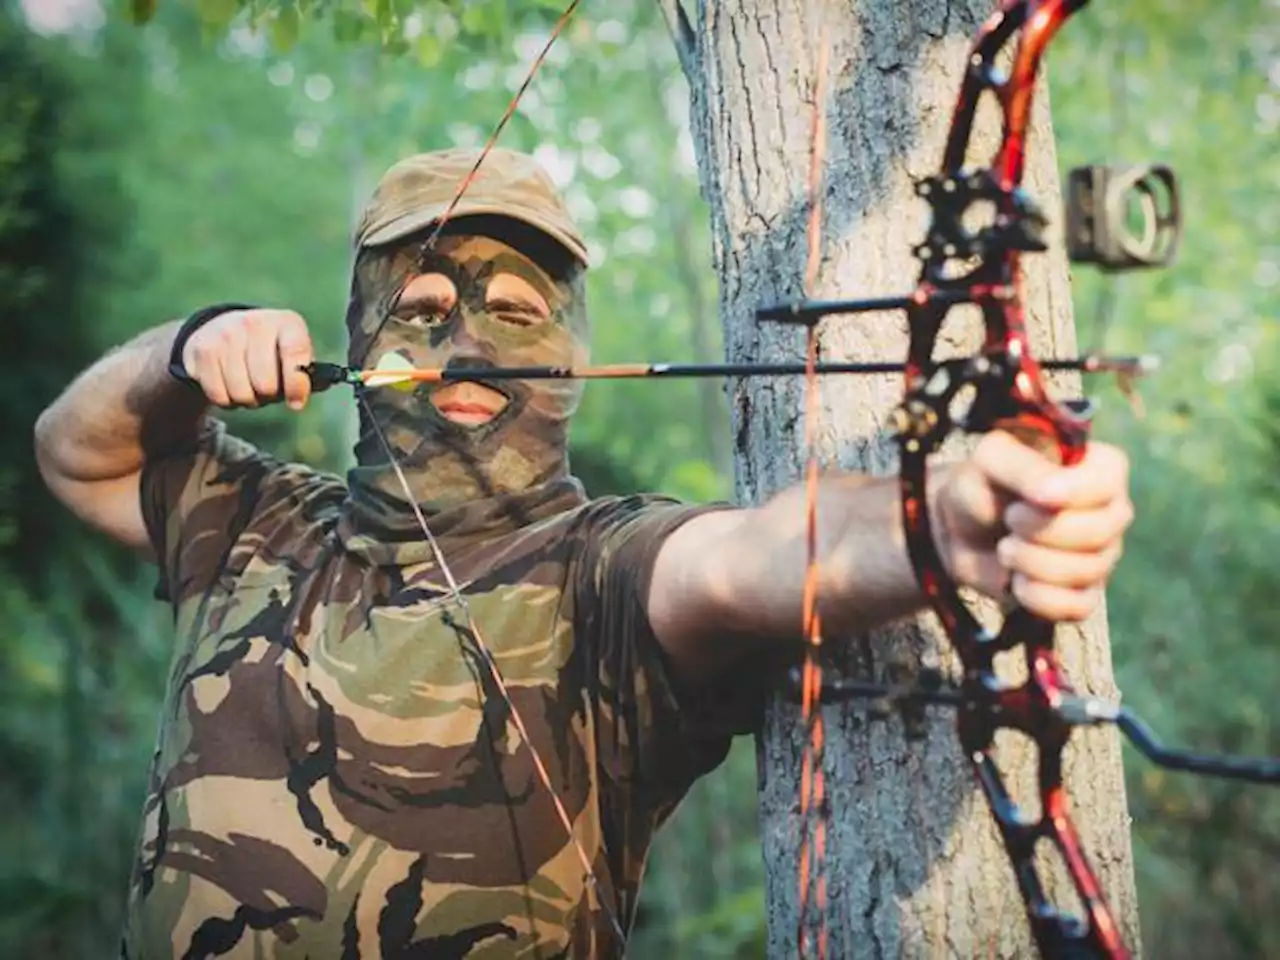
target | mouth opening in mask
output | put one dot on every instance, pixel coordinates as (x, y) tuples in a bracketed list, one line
[(469, 403)]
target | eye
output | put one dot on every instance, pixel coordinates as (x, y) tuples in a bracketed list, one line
[(424, 313), (520, 313)]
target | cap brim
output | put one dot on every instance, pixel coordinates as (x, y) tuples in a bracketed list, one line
[(423, 217)]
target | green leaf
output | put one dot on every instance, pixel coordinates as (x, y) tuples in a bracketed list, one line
[(429, 50), (216, 13), (476, 18), (141, 11), (348, 27), (285, 29)]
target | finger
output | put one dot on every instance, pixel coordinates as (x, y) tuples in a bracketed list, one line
[(1080, 530), (980, 503), (260, 329), (235, 370), (1058, 567), (1101, 476), (981, 570), (1011, 465), (201, 362), (1060, 604), (295, 352), (1030, 476)]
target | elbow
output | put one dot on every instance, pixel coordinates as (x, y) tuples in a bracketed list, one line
[(48, 444), (58, 457)]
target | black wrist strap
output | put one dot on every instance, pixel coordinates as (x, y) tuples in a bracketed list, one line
[(177, 369)]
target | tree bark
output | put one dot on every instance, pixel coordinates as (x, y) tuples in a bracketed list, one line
[(914, 865)]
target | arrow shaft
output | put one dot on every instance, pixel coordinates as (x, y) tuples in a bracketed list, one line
[(625, 371)]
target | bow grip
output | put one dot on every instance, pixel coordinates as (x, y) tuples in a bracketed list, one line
[(1058, 439)]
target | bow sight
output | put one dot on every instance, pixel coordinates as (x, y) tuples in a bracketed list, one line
[(1117, 218), (1122, 218)]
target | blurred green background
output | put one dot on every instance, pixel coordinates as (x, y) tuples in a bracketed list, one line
[(147, 171)]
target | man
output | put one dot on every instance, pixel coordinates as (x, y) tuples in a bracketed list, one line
[(341, 771)]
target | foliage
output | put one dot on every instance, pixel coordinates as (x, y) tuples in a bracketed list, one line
[(75, 716), (1189, 607), (424, 30), (57, 211)]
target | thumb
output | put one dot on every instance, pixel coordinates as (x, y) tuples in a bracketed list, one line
[(295, 352)]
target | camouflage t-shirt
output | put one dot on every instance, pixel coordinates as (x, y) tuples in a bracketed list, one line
[(335, 775)]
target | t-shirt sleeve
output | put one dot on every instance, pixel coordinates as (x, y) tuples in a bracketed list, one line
[(654, 737), (196, 501)]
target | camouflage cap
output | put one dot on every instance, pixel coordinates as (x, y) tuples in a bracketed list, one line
[(417, 191)]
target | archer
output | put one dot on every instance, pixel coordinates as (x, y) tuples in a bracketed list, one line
[(442, 705)]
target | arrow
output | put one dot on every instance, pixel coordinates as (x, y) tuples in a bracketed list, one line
[(394, 371)]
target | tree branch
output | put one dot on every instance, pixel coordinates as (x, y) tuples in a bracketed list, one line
[(681, 35)]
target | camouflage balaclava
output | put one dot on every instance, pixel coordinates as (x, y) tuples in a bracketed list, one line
[(514, 469)]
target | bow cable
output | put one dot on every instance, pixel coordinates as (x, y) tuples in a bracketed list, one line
[(465, 184), (471, 630), (1104, 304)]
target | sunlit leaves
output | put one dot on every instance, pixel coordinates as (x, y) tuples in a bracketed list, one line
[(429, 50), (396, 27)]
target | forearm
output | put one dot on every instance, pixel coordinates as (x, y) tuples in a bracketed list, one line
[(865, 577), (1007, 523), (116, 413)]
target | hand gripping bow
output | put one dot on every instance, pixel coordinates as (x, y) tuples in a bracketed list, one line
[(980, 266)]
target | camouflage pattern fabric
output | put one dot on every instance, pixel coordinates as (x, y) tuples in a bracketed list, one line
[(334, 776), (415, 192), (521, 456)]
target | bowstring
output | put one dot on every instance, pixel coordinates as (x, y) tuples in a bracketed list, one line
[(1106, 299), (813, 795), (471, 627), (465, 184)]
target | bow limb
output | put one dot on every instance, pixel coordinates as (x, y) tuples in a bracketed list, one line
[(1009, 394)]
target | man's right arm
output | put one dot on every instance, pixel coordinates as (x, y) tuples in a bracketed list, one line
[(93, 441)]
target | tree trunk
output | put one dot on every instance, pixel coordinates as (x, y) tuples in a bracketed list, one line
[(914, 866)]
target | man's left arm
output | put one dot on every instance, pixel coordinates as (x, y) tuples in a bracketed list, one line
[(1006, 521)]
